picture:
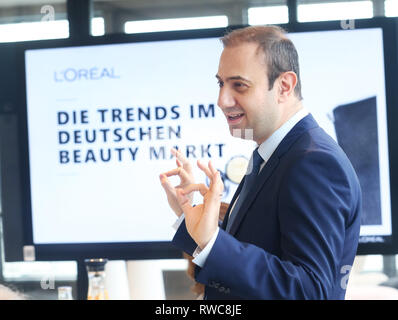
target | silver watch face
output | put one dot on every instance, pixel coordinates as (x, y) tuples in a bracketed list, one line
[(236, 168)]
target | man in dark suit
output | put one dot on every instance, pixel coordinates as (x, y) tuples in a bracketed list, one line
[(291, 231)]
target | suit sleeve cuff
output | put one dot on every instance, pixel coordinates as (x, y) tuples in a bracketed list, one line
[(200, 255)]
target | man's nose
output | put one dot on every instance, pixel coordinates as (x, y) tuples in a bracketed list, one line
[(225, 98)]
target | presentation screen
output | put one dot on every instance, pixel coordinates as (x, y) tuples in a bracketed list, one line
[(102, 119)]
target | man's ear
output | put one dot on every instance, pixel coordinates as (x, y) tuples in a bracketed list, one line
[(287, 81)]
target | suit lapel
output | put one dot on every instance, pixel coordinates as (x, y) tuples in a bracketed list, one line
[(226, 216), (259, 182), (302, 126)]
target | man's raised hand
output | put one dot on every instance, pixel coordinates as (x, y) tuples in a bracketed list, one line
[(202, 220), (184, 171)]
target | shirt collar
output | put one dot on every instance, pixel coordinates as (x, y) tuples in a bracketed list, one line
[(267, 148)]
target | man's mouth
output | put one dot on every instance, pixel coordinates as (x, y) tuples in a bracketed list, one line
[(234, 118)]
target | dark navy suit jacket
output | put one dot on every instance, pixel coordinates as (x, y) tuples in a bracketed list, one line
[(296, 235)]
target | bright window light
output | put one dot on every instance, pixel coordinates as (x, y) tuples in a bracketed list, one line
[(26, 31), (268, 15), (175, 24), (391, 8), (39, 270), (97, 26), (335, 11)]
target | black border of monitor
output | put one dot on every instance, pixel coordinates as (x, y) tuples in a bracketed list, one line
[(165, 250)]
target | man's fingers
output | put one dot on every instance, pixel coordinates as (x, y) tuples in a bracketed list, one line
[(183, 201), (216, 188), (213, 200), (165, 183), (196, 187), (204, 168), (179, 163), (211, 167), (163, 179), (179, 156), (209, 170), (180, 171), (173, 172)]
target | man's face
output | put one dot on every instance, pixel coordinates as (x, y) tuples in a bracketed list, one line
[(244, 95)]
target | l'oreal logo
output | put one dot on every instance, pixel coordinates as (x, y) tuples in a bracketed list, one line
[(72, 74)]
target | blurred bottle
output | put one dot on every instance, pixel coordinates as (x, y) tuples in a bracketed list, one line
[(96, 279), (65, 293)]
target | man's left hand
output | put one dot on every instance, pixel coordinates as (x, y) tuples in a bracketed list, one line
[(202, 220)]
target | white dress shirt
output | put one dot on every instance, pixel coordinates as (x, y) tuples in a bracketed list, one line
[(266, 149)]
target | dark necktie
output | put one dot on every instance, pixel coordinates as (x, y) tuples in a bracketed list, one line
[(252, 172)]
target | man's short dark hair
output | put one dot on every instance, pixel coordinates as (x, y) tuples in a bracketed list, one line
[(280, 52)]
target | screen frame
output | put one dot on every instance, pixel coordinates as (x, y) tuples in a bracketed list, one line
[(165, 250)]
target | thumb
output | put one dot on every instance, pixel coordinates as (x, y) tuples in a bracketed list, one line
[(183, 201), (167, 186)]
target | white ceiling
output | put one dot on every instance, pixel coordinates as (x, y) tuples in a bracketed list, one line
[(160, 3), (17, 3)]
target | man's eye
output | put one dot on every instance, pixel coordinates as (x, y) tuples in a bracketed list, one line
[(239, 86), (220, 84)]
